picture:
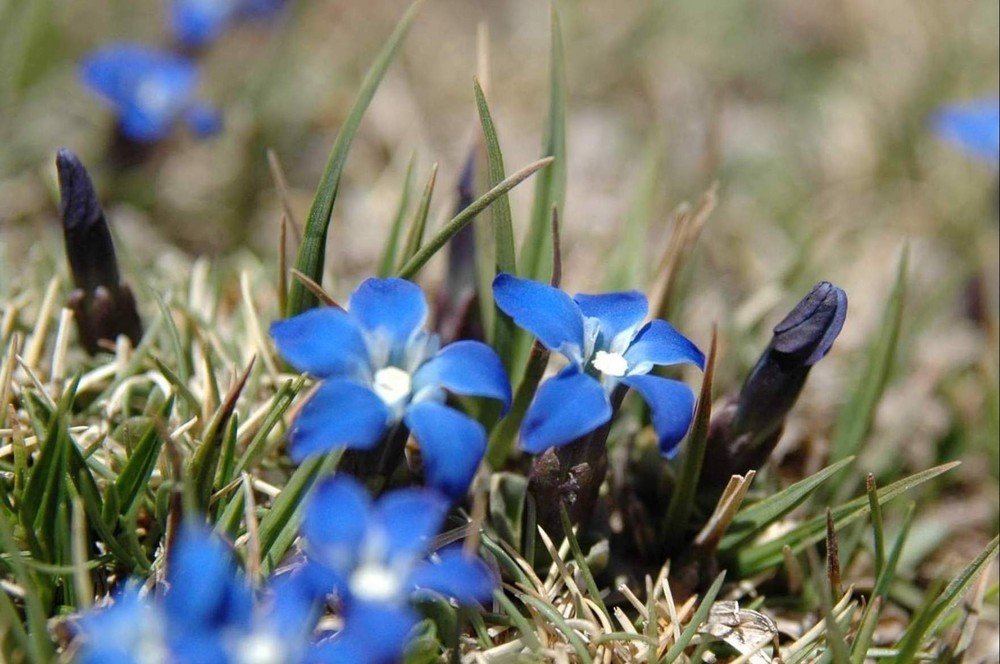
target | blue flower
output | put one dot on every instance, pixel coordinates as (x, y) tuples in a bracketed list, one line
[(973, 127), (197, 22), (606, 344), (373, 558), (207, 615), (380, 367), (151, 90)]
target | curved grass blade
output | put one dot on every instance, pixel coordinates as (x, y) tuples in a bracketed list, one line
[(696, 621), (312, 251), (435, 244), (415, 235), (135, 473)]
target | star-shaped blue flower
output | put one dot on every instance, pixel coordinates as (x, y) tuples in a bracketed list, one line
[(973, 127), (379, 367), (606, 344), (151, 90), (207, 614), (374, 558)]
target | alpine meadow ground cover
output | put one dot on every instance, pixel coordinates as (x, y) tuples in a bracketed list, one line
[(498, 332)]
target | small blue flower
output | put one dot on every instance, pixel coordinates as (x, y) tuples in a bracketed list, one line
[(973, 127), (606, 344), (151, 90), (380, 367), (373, 557), (207, 615), (198, 22)]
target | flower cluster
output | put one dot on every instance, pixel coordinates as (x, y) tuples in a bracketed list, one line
[(607, 345), (152, 89), (208, 613), (379, 368), (372, 558)]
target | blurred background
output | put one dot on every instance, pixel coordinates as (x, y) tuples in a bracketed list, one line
[(812, 118)]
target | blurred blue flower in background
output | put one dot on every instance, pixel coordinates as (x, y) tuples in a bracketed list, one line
[(379, 367), (198, 22), (373, 558), (151, 90), (208, 614), (973, 127), (601, 337)]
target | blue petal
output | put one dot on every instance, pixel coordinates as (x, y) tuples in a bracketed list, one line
[(409, 519), (973, 127), (457, 575), (341, 413), (324, 342), (197, 22), (451, 445), (470, 368), (204, 119), (618, 313), (671, 403), (658, 343), (335, 523), (565, 407), (204, 589), (376, 632), (547, 312), (395, 306), (292, 612)]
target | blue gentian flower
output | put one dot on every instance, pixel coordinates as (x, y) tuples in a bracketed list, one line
[(973, 127), (373, 558), (208, 614), (379, 367), (151, 90), (198, 22), (606, 344)]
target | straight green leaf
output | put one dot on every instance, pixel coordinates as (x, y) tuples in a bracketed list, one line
[(413, 266), (754, 559), (388, 261), (504, 329), (312, 251), (550, 188), (924, 622), (137, 469), (279, 405), (753, 520), (415, 235), (40, 649)]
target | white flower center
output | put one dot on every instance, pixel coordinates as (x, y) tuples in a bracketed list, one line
[(392, 385), (261, 648), (610, 364), (376, 583)]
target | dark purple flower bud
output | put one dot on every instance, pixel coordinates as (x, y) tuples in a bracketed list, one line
[(744, 432), (103, 305)]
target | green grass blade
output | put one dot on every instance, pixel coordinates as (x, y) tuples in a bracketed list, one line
[(503, 435), (279, 527), (502, 336), (924, 621), (856, 416), (41, 649), (550, 613), (754, 519), (388, 260), (629, 264), (699, 617), (279, 405), (675, 522), (312, 251), (139, 466), (413, 266), (550, 188), (415, 235), (754, 559)]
